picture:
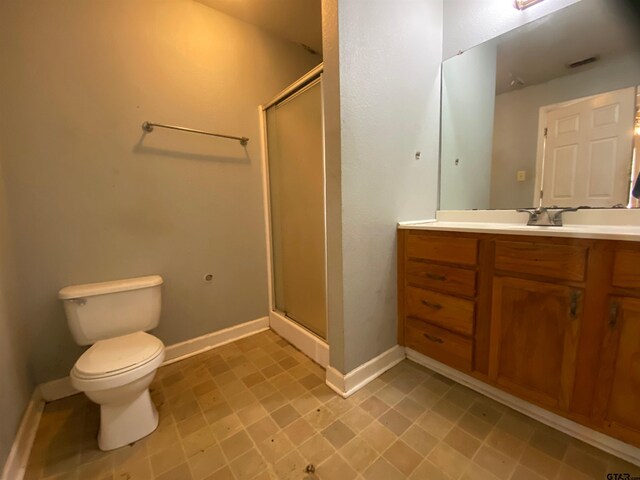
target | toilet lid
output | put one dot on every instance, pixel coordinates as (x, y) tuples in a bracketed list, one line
[(117, 355)]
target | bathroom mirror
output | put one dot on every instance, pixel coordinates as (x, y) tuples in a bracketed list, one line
[(546, 114)]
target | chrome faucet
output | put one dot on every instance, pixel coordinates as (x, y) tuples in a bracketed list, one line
[(546, 217)]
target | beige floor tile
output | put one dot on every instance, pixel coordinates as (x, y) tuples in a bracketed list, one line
[(316, 449), (236, 444), (181, 472), (226, 427), (506, 443), (290, 467), (336, 467), (539, 462), (461, 441), (166, 459), (305, 403), (448, 460), (222, 413), (374, 406), (358, 454), (427, 470), (394, 421), (357, 419), (390, 395), (207, 461), (320, 418), (275, 447), (523, 473), (378, 436), (435, 424), (461, 396), (338, 434), (550, 441), (403, 457), (248, 465), (299, 431), (382, 469), (262, 429), (495, 462), (421, 441), (448, 410), (579, 459), (475, 425), (224, 473), (410, 408), (285, 415)]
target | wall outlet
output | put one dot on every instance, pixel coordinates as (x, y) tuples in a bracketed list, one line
[(521, 176)]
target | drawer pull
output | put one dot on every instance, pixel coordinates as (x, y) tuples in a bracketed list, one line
[(613, 315), (431, 338), (435, 276), (435, 306), (574, 304)]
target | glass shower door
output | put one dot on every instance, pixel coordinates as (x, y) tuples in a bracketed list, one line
[(296, 189)]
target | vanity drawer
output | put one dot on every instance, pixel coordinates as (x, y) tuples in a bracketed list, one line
[(438, 343), (626, 269), (426, 246), (564, 262), (452, 313), (440, 277)]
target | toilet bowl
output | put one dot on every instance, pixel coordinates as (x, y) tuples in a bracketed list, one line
[(116, 371), (116, 374)]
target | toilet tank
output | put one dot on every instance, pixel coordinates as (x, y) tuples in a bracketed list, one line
[(97, 311)]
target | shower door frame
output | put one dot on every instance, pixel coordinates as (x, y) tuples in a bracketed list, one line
[(301, 337)]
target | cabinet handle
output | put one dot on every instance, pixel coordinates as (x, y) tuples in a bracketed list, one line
[(573, 308), (435, 276), (431, 338), (435, 306), (613, 315)]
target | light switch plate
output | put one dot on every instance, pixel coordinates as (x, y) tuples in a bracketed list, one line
[(521, 175)]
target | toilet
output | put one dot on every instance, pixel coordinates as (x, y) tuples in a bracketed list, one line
[(116, 371)]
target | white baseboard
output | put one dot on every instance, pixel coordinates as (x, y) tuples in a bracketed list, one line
[(348, 384), (61, 388), (16, 464), (599, 440), (308, 343), (195, 346)]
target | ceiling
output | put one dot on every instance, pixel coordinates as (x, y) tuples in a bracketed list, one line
[(298, 21), (541, 50)]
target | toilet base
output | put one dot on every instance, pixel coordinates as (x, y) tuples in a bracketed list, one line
[(125, 423)]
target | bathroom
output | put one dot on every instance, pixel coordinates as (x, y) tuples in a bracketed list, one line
[(87, 195)]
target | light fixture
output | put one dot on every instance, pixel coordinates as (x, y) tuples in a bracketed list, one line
[(522, 4)]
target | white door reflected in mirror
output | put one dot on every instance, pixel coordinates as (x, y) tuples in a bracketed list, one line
[(585, 152)]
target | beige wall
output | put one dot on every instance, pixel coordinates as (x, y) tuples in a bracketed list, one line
[(93, 199), (16, 384)]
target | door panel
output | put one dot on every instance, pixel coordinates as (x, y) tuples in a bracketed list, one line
[(534, 339), (624, 339), (296, 190), (588, 151)]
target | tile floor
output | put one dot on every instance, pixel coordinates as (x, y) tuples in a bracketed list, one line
[(258, 409)]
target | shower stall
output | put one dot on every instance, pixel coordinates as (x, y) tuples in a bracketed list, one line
[(295, 187)]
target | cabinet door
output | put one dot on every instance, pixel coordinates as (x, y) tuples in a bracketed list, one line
[(621, 359), (534, 339)]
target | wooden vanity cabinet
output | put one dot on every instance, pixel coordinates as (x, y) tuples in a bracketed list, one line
[(554, 321)]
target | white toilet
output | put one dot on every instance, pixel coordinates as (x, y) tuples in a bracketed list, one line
[(116, 371)]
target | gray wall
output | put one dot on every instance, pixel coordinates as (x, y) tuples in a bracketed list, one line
[(93, 199), (16, 383), (517, 114), (468, 100), (386, 95)]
